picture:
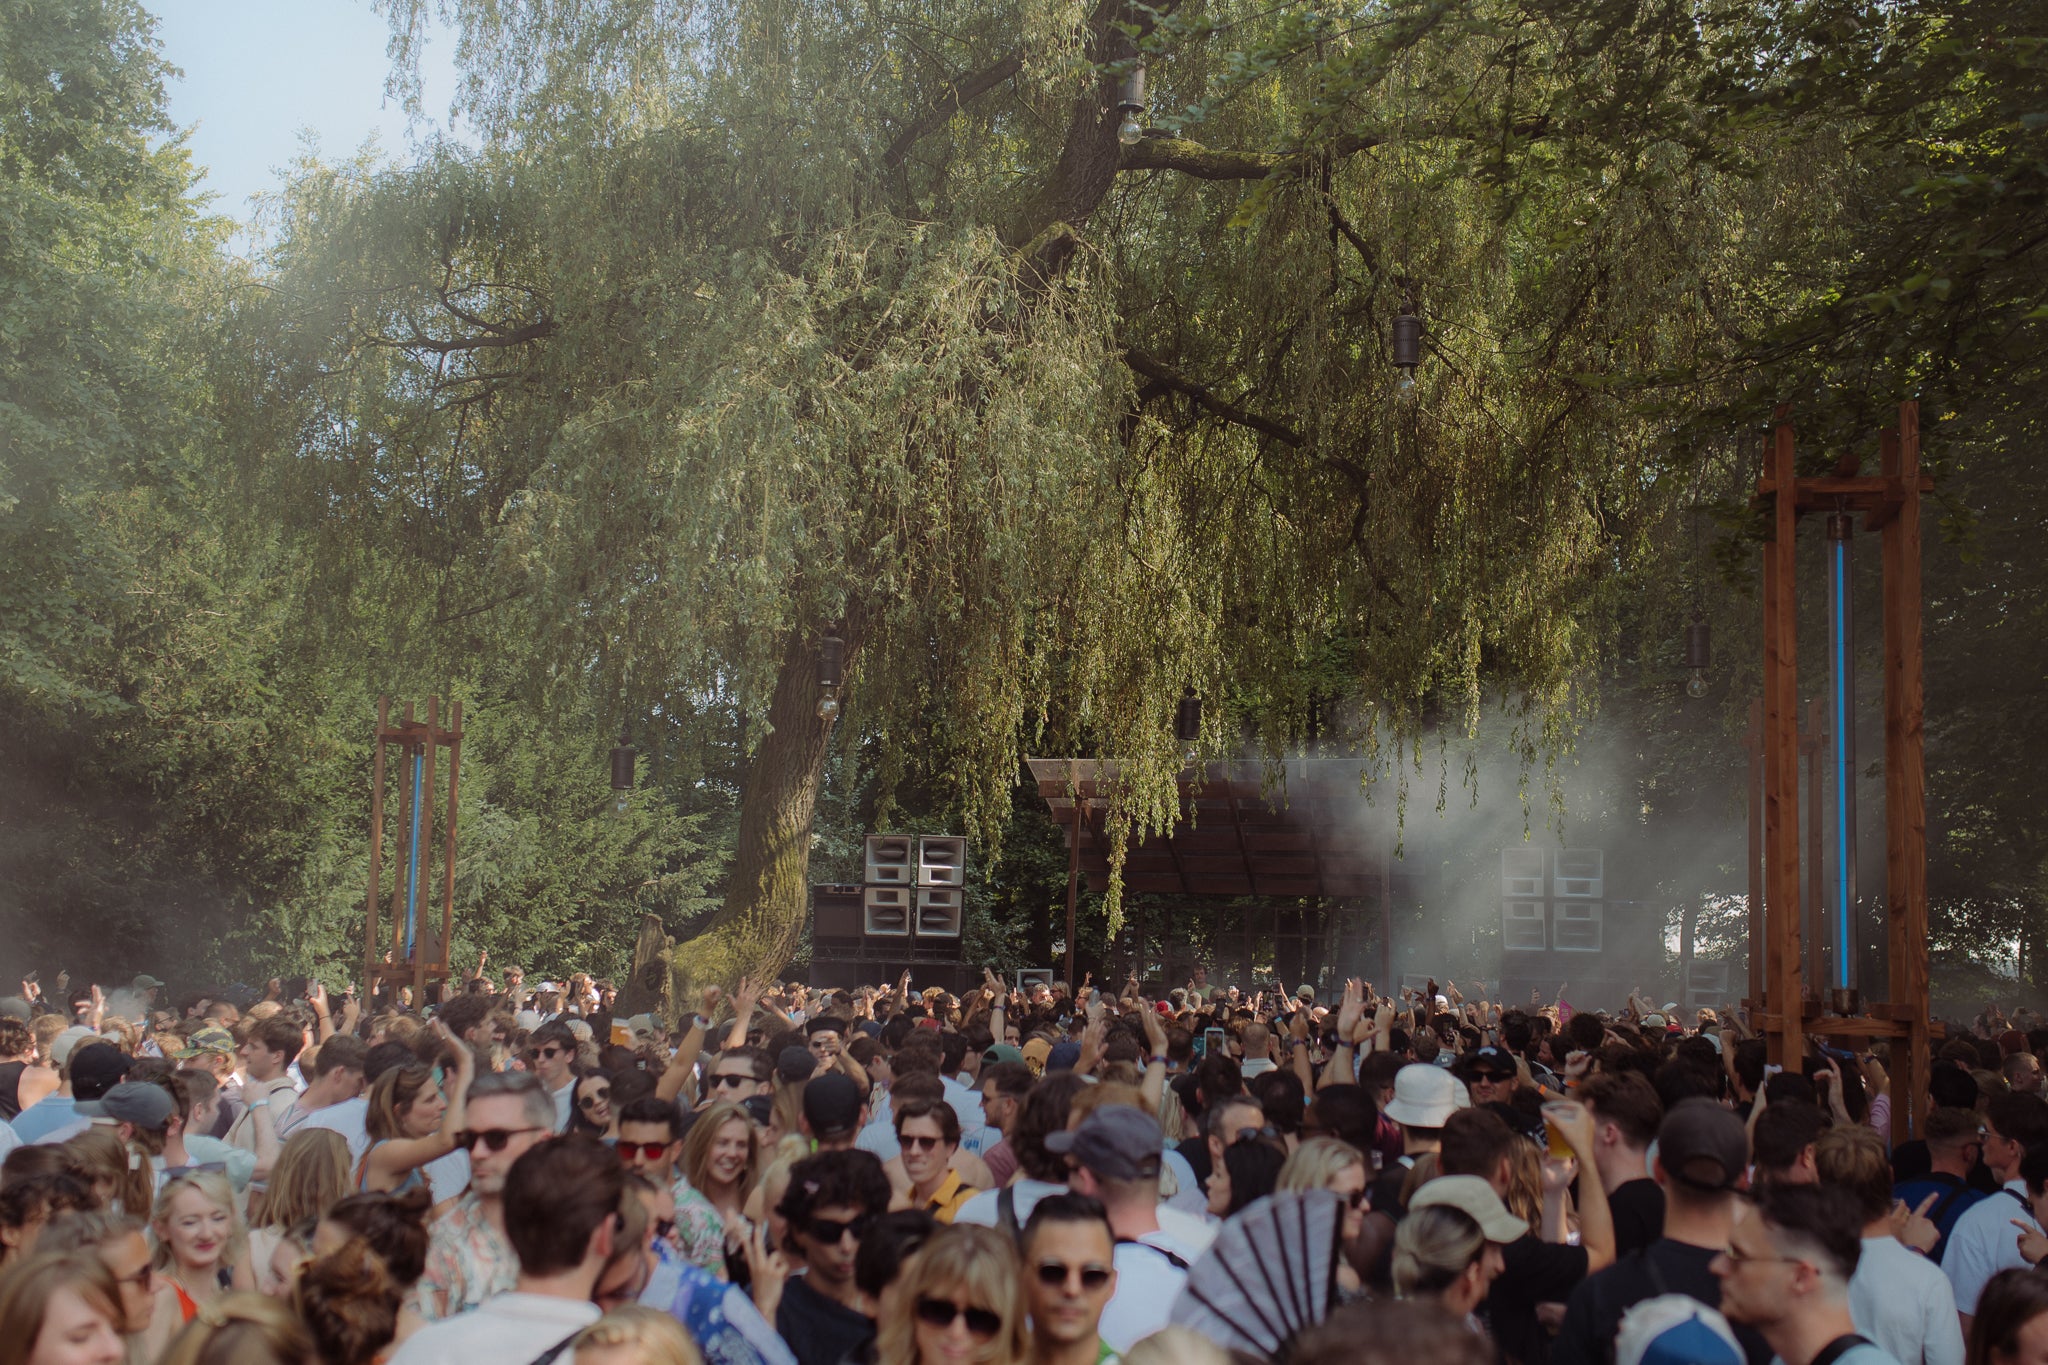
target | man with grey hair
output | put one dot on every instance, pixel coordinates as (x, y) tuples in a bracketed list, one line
[(469, 1257)]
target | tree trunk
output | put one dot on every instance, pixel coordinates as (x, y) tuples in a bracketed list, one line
[(768, 895)]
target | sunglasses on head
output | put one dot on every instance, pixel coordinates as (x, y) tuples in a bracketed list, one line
[(593, 1099), (1254, 1134), (981, 1323), (1054, 1275), (830, 1230), (493, 1139), (651, 1150)]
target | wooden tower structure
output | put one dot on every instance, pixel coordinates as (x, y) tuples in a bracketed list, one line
[(1786, 1011), (414, 949)]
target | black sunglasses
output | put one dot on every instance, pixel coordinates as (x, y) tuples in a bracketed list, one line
[(593, 1099), (920, 1143), (1053, 1275), (829, 1230), (534, 1054), (493, 1139), (1268, 1132), (981, 1323), (733, 1078)]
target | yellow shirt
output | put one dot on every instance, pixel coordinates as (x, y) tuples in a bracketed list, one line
[(947, 1199)]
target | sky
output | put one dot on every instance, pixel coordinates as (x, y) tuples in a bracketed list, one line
[(258, 74)]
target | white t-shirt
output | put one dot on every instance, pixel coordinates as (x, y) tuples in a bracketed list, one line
[(1902, 1302), (1255, 1066), (1148, 1280), (981, 1209), (564, 1099), (1984, 1242), (448, 1176), (348, 1119), (510, 1329)]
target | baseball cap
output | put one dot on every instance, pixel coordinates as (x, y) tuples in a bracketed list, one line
[(1063, 1057), (141, 1103), (579, 1028), (1653, 1021), (1003, 1052), (145, 982), (795, 1063), (1702, 1146), (1495, 1062), (825, 1023), (1475, 1198), (832, 1105), (1426, 1095), (61, 1045), (1304, 992), (212, 1038), (14, 1007), (1119, 1141), (1675, 1329), (97, 1068), (645, 1028), (1035, 1053)]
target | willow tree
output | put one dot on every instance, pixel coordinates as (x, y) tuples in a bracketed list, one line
[(753, 321)]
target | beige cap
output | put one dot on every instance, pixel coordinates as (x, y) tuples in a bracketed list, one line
[(1475, 1198)]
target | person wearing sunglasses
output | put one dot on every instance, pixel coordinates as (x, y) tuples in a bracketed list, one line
[(1114, 1155), (959, 1301), (832, 1199), (927, 1136), (1069, 1278), (469, 1256), (551, 1055), (594, 1113), (1328, 1163)]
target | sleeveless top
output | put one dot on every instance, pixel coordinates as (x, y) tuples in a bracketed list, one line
[(10, 1089), (188, 1307), (412, 1179)]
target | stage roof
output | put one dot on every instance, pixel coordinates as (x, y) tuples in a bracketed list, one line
[(1241, 831)]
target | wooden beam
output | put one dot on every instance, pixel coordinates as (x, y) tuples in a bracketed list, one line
[(376, 845), (1781, 761), (1753, 741), (1813, 748), (1904, 775)]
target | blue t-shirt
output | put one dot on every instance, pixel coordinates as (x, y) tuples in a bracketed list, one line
[(45, 1117), (1946, 1209)]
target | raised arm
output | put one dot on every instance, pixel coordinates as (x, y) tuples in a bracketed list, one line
[(389, 1161)]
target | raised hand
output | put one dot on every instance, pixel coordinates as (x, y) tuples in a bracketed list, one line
[(1917, 1230), (1349, 1012)]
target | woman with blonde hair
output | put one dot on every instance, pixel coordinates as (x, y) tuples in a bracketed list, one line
[(61, 1309), (201, 1248), (958, 1301), (412, 1121), (1327, 1163), (242, 1329), (310, 1177), (718, 1168), (634, 1335)]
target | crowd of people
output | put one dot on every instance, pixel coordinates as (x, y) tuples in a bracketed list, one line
[(518, 1174)]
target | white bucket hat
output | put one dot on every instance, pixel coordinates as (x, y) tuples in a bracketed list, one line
[(1424, 1096)]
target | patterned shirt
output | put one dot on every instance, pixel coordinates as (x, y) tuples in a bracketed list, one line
[(468, 1261), (699, 1233)]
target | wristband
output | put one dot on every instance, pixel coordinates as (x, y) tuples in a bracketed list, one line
[(263, 1103), (1158, 1059)]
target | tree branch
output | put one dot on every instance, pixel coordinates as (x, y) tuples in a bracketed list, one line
[(1165, 375), (1217, 163), (953, 97), (517, 336)]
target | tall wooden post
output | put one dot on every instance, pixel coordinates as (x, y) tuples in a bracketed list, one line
[(388, 958), (1074, 875), (1753, 741), (376, 848), (1905, 808), (1781, 751), (1813, 748)]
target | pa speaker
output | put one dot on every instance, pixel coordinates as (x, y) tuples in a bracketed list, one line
[(1521, 874), (892, 860), (941, 860), (1576, 926), (835, 912), (1578, 874), (938, 912), (885, 911), (1522, 928)]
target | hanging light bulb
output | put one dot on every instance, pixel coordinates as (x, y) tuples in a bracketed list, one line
[(1699, 654), (831, 676), (1130, 103)]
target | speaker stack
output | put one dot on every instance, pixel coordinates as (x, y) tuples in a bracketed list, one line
[(906, 913)]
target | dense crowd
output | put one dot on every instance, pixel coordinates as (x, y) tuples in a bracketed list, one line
[(518, 1175)]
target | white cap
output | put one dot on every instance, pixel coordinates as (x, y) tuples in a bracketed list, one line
[(61, 1045)]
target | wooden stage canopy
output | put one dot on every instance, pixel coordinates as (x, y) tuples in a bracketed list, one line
[(1246, 829)]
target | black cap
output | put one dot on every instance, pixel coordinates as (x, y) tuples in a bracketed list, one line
[(832, 1106), (825, 1023), (1703, 1146), (1496, 1062), (794, 1064), (97, 1068)]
